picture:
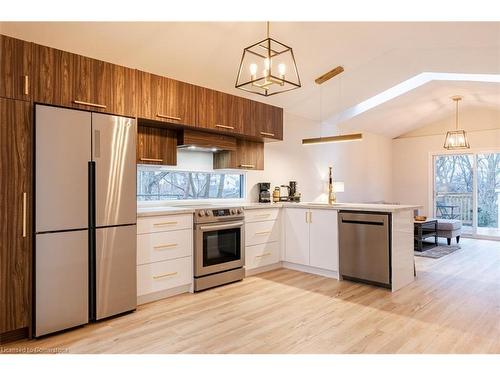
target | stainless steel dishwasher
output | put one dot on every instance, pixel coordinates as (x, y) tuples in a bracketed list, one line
[(365, 247)]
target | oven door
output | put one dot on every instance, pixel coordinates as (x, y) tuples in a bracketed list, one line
[(219, 247)]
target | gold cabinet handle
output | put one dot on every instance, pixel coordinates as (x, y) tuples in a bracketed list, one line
[(89, 104), (310, 217), (168, 117), (247, 166), (166, 246), (24, 215), (224, 126), (26, 85), (165, 223), (263, 232), (307, 217), (263, 255), (152, 159), (164, 275), (268, 134), (263, 215)]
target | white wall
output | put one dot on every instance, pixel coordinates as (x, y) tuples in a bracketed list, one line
[(412, 155), (364, 166)]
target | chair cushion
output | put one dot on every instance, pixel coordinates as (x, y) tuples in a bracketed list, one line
[(447, 224)]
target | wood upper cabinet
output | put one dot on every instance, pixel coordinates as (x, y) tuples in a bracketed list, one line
[(15, 68), (165, 99), (248, 155), (222, 112), (71, 80), (156, 145), (15, 198), (266, 121)]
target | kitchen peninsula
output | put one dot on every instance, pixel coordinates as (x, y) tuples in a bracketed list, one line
[(305, 236)]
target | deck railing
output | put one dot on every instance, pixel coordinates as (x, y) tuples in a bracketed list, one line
[(455, 206)]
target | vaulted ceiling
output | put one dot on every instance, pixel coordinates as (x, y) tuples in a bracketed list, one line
[(376, 56)]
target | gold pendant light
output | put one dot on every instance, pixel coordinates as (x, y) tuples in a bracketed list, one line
[(456, 139), (333, 138), (267, 68)]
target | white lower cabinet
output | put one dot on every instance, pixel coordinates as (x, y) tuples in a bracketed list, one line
[(158, 276), (262, 237), (297, 235), (164, 256), (262, 255), (311, 238), (323, 239)]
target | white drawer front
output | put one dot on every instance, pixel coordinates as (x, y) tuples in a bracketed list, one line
[(261, 232), (261, 214), (164, 275), (155, 247), (164, 223), (262, 255)]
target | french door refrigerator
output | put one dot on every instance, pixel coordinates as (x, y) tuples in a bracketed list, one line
[(85, 217)]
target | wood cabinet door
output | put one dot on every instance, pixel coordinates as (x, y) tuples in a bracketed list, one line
[(209, 104), (15, 197), (296, 236), (248, 155), (164, 99), (53, 75), (324, 247), (15, 68), (266, 121), (156, 146), (113, 89)]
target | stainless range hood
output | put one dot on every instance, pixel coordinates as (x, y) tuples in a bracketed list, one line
[(194, 140)]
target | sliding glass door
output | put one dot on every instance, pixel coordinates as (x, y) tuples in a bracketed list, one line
[(467, 188), (488, 191), (454, 189)]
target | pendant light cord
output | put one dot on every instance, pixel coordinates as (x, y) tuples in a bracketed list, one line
[(267, 29), (456, 117)]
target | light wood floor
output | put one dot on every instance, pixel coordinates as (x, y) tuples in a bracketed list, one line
[(453, 307)]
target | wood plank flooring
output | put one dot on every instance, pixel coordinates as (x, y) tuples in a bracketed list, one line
[(453, 307)]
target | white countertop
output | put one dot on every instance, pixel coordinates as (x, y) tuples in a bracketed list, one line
[(172, 210)]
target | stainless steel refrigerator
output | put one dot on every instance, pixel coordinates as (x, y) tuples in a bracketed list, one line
[(85, 217)]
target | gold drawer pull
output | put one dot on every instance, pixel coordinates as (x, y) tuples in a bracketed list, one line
[(263, 255), (24, 215), (26, 85), (247, 166), (165, 223), (170, 245), (164, 275), (168, 117), (89, 104), (263, 232), (225, 127), (152, 159), (268, 134)]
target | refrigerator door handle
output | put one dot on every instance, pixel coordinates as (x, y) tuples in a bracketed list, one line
[(97, 143)]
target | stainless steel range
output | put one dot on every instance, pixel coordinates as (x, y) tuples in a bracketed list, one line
[(219, 246)]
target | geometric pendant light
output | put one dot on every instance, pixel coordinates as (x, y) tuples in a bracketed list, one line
[(267, 68), (456, 139)]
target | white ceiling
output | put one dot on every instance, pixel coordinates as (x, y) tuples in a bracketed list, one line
[(426, 104), (376, 56)]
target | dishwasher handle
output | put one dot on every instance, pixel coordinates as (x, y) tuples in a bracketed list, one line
[(364, 218), (363, 222)]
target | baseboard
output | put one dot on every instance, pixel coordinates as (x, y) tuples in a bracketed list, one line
[(269, 267), (313, 270), (152, 297)]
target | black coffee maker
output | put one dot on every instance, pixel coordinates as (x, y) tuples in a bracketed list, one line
[(294, 194), (264, 193)]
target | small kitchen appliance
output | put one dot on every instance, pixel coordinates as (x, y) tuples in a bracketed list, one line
[(294, 194), (264, 194), (284, 193)]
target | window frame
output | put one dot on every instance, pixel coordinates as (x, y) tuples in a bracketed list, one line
[(184, 202)]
